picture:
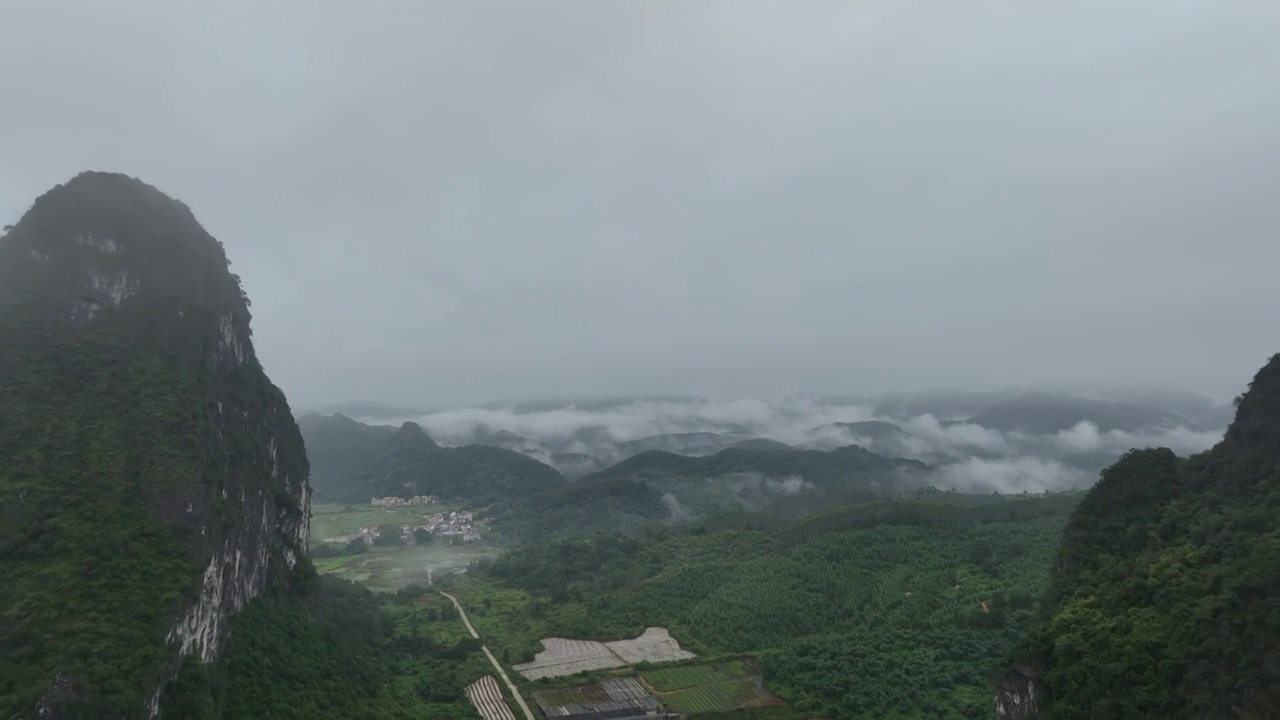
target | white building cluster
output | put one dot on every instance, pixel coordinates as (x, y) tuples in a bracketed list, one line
[(393, 501), (452, 524), (458, 526)]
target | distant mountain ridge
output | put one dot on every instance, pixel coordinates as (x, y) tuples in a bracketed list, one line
[(783, 481), (658, 486), (1031, 430), (340, 449), (1044, 413), (694, 443), (752, 474), (407, 461), (367, 409), (874, 429), (588, 404), (942, 404)]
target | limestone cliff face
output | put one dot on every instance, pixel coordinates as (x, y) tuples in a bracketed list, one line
[(131, 385), (1017, 696)]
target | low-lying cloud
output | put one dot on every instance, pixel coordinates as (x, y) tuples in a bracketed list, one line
[(753, 491), (1011, 475), (968, 457), (675, 511), (758, 483), (1085, 437)]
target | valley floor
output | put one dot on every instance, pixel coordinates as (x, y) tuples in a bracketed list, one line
[(900, 611), (390, 567)]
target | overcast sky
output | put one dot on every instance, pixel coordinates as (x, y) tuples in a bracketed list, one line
[(445, 203)]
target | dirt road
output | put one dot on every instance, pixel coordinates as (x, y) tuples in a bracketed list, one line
[(493, 660)]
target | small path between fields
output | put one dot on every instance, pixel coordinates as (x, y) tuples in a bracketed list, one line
[(492, 660)]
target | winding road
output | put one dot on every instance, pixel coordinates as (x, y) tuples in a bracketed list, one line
[(496, 666)]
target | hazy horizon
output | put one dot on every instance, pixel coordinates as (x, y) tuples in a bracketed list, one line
[(967, 456), (444, 204), (1116, 393)]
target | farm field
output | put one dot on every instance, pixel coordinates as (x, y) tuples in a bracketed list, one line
[(654, 645), (334, 520), (712, 698), (486, 696), (717, 687), (606, 696), (391, 568), (566, 656), (687, 676)]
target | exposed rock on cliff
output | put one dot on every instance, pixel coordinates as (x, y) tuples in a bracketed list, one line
[(1017, 696), (152, 479)]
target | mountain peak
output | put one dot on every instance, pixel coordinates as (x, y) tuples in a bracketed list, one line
[(128, 358), (117, 206), (1257, 422), (105, 252), (413, 431)]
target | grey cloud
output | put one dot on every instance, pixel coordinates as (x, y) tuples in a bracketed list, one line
[(442, 203), (1085, 437), (754, 490), (1011, 475), (929, 436), (675, 511), (757, 483)]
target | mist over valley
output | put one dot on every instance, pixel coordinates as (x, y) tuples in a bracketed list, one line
[(571, 468), (730, 360)]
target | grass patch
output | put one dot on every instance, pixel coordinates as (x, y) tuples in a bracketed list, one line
[(386, 569), (334, 520)]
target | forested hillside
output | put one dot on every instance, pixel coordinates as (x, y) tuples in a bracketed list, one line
[(578, 508), (780, 481), (337, 652), (532, 501), (152, 479), (340, 449), (406, 462), (905, 613), (658, 486), (850, 464), (1163, 601)]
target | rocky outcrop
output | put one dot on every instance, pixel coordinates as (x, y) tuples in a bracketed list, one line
[(132, 341), (1017, 696)]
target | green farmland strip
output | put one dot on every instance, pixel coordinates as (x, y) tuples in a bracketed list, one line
[(712, 698), (687, 676)]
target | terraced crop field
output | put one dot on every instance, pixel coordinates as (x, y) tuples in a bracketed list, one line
[(713, 687), (718, 697), (678, 678), (607, 696), (486, 697)]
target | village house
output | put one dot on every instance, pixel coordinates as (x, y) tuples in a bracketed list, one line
[(455, 525)]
